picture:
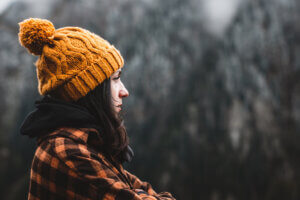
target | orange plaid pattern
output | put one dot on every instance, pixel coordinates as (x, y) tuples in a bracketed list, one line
[(65, 166)]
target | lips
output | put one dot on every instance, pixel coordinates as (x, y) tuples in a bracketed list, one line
[(120, 106)]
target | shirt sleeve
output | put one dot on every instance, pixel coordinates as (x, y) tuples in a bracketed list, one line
[(145, 188), (95, 173)]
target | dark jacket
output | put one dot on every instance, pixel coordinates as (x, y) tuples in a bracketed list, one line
[(67, 164)]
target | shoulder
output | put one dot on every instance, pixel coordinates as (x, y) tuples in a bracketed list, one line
[(63, 144), (65, 147), (62, 164), (70, 156), (74, 154), (67, 141)]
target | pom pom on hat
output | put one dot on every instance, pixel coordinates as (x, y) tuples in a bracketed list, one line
[(34, 33)]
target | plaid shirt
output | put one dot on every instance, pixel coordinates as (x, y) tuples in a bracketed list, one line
[(65, 166)]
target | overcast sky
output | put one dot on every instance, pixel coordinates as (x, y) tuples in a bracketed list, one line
[(4, 4), (219, 14)]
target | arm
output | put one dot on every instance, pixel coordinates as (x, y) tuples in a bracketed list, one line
[(97, 175), (141, 186)]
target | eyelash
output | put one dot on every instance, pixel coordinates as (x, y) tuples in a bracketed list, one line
[(116, 78)]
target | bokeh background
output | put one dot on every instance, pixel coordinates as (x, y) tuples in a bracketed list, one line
[(214, 106)]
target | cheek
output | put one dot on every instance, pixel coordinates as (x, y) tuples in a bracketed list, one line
[(114, 90)]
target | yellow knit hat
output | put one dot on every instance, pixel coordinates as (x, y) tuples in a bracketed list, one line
[(72, 61)]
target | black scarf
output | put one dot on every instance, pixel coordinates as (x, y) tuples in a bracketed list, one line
[(52, 113)]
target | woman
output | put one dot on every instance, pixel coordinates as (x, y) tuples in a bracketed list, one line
[(81, 139)]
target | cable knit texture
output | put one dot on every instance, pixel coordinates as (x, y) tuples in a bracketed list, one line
[(72, 61)]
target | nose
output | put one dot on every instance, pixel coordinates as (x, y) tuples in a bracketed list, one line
[(123, 92)]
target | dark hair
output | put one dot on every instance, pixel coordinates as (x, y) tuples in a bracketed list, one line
[(98, 102)]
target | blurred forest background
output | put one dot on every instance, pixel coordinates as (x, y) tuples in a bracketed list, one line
[(214, 106)]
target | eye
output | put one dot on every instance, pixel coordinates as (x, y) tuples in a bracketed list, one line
[(116, 78)]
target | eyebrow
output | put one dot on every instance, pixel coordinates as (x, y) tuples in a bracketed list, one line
[(119, 72)]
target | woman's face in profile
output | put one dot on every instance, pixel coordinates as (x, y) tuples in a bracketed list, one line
[(118, 90)]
